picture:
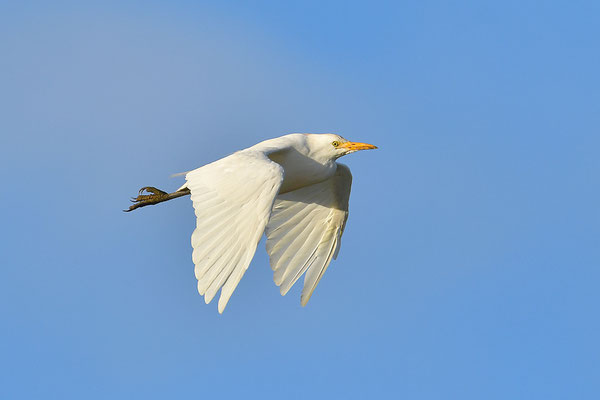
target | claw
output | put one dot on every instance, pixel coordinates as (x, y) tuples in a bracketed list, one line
[(154, 196), (153, 190)]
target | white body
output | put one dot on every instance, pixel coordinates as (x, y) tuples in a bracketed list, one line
[(292, 189)]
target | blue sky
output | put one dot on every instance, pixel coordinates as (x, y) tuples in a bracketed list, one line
[(470, 264)]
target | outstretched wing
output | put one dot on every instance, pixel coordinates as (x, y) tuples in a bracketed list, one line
[(233, 198), (305, 231)]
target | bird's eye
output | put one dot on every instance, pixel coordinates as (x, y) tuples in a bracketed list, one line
[(335, 143)]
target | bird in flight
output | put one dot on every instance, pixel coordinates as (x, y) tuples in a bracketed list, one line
[(291, 188)]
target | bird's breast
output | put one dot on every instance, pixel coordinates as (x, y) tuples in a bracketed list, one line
[(300, 170)]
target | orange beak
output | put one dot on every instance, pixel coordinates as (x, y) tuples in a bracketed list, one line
[(354, 146)]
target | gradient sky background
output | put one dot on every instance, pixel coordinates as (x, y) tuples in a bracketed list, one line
[(470, 264)]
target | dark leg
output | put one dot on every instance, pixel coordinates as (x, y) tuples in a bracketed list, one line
[(157, 196)]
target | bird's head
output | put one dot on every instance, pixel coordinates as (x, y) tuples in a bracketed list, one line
[(334, 146)]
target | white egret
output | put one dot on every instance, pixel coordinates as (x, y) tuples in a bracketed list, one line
[(289, 187)]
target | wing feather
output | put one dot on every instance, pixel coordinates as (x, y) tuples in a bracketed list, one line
[(305, 229), (232, 199)]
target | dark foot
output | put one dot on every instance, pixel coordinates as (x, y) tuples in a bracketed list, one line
[(157, 196)]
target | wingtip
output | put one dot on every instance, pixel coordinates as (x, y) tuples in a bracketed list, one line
[(283, 290), (222, 304), (304, 301)]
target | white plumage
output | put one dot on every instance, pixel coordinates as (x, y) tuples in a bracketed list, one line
[(292, 189)]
